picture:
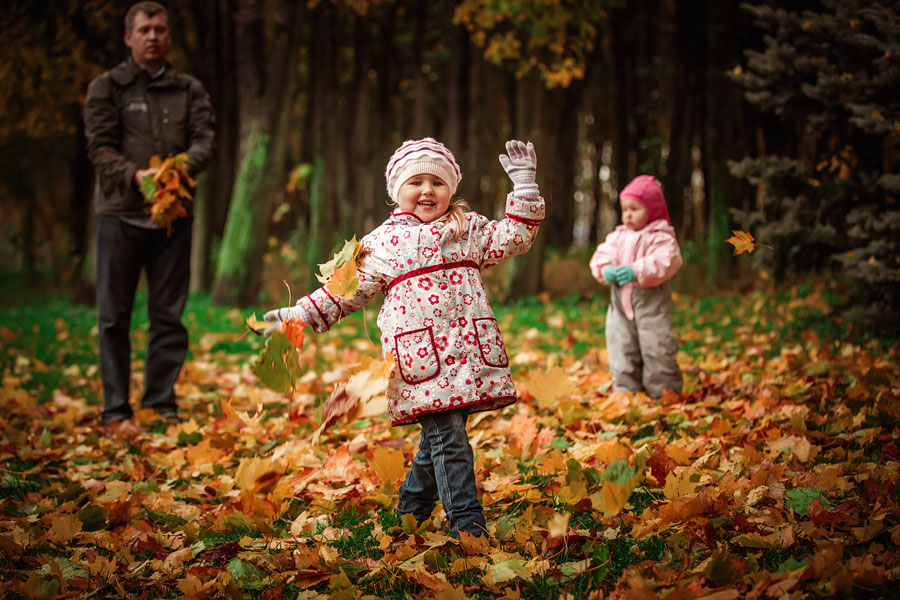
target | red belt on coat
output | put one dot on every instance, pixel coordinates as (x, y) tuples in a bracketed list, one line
[(425, 270)]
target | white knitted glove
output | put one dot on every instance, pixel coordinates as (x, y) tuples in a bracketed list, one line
[(278, 315), (520, 163)]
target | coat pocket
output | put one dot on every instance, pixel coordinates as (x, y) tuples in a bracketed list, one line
[(493, 352), (417, 355)]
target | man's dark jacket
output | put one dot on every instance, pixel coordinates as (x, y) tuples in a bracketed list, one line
[(128, 118)]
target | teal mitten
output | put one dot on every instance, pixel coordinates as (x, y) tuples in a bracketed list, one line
[(624, 274), (610, 274)]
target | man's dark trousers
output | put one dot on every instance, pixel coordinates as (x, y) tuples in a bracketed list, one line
[(123, 250)]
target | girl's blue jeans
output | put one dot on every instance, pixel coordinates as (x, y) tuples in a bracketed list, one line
[(444, 467)]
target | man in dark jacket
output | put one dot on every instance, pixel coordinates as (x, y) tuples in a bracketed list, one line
[(141, 108)]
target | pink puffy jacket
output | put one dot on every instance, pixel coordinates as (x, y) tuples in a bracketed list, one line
[(652, 252)]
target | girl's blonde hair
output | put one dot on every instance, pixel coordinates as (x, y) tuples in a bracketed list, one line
[(456, 214)]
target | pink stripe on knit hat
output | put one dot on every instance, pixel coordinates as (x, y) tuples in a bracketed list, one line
[(646, 190), (415, 157)]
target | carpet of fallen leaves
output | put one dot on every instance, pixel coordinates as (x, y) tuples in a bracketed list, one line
[(773, 475)]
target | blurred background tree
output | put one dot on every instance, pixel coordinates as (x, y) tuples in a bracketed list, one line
[(827, 169), (776, 116)]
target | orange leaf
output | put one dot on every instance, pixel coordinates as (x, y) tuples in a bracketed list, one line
[(231, 414), (293, 328), (742, 242)]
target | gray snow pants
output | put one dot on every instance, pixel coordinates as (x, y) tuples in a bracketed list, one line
[(642, 352)]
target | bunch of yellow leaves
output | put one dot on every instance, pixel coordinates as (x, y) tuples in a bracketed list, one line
[(167, 190)]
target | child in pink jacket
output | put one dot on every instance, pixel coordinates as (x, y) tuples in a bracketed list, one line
[(449, 357), (637, 260)]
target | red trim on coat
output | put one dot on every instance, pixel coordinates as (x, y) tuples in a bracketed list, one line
[(523, 220), (480, 344), (330, 297), (495, 402), (319, 310), (434, 350), (397, 214), (470, 264)]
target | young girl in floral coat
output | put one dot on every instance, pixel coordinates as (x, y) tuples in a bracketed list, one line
[(637, 260), (449, 357)]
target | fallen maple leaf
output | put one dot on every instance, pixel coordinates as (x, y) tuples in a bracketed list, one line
[(743, 242), (231, 414), (548, 386), (258, 475), (337, 405), (619, 481), (388, 464), (558, 526)]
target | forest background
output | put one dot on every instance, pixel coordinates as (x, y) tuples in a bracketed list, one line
[(774, 472), (778, 118)]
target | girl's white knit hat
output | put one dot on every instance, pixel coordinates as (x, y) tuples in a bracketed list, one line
[(415, 157)]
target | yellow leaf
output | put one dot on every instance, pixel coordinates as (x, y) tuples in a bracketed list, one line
[(548, 386), (258, 475), (679, 484), (573, 493), (619, 482), (231, 414), (255, 325), (365, 385), (344, 281), (64, 528), (559, 525), (102, 567), (388, 464)]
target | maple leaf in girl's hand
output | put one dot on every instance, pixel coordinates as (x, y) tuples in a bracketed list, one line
[(255, 325), (743, 242), (293, 329), (344, 281), (339, 274)]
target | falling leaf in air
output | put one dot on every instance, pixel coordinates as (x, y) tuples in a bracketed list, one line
[(743, 242), (255, 325), (293, 329)]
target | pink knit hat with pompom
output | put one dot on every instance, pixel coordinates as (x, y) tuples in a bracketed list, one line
[(415, 157), (646, 190)]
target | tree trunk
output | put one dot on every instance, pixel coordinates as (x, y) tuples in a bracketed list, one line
[(265, 86), (624, 98), (681, 119), (525, 272), (454, 134), (720, 135), (216, 69), (80, 228)]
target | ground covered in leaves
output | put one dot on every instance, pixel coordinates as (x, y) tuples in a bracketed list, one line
[(774, 474)]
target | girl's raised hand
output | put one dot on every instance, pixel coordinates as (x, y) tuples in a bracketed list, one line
[(520, 164)]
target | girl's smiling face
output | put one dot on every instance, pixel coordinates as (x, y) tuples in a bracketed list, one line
[(634, 215), (426, 196)]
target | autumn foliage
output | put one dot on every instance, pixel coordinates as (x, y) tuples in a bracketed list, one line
[(774, 474), (167, 192)]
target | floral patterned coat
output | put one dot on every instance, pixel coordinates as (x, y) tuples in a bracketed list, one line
[(436, 318)]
